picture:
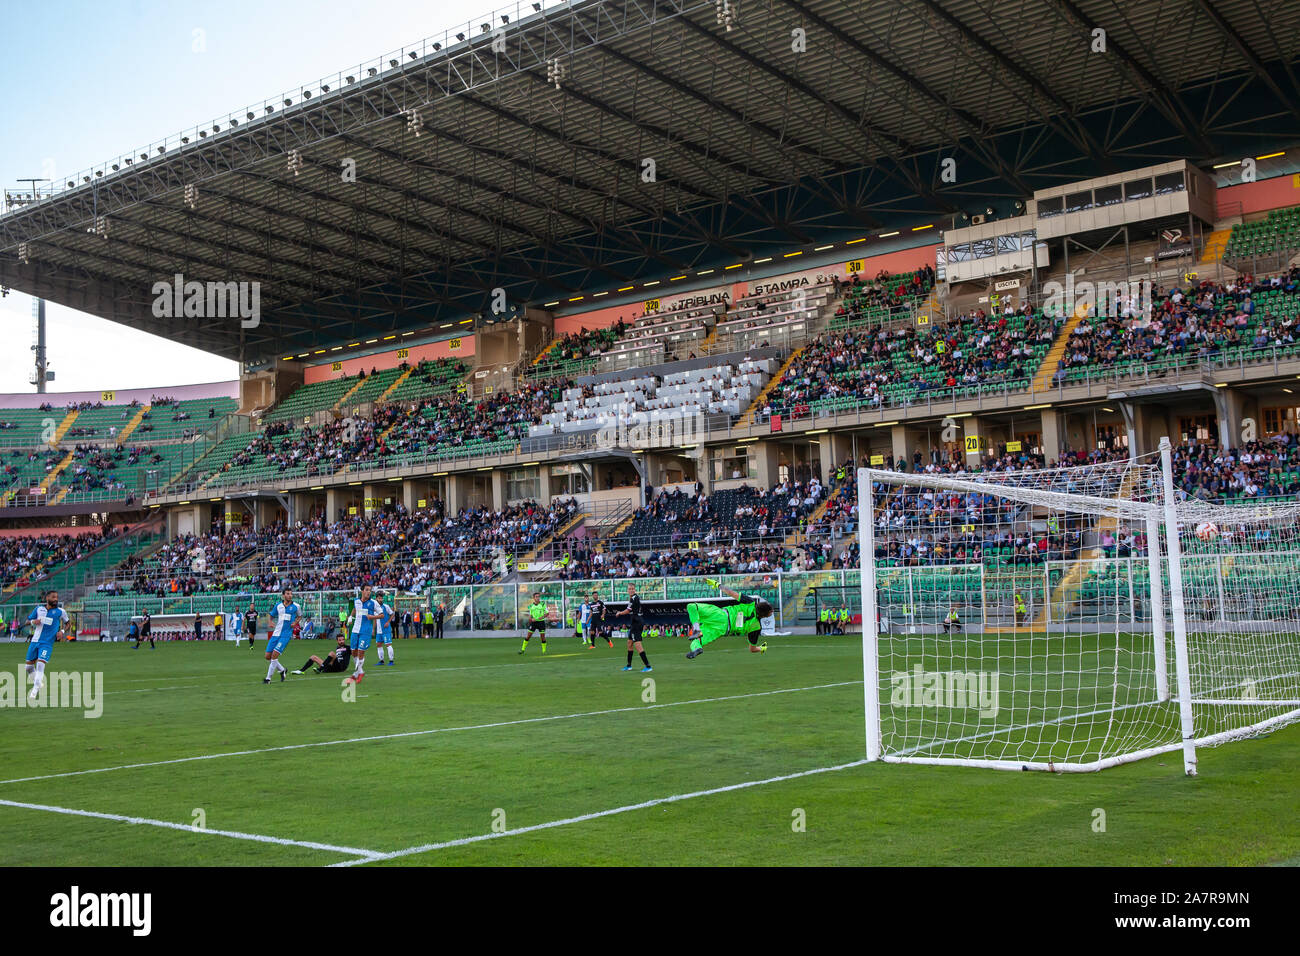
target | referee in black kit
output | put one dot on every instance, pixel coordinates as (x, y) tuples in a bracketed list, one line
[(634, 629)]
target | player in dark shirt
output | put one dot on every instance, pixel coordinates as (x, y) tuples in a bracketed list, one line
[(634, 627), (599, 625), (335, 661), (250, 625)]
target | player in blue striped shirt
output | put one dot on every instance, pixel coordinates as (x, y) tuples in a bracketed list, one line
[(282, 617), (49, 622), (361, 623), (384, 637)]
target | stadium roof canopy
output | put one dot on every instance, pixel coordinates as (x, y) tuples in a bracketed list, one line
[(475, 171)]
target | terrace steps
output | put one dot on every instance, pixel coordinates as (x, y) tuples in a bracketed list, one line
[(64, 425), (349, 393), (794, 538), (54, 472), (560, 532), (1067, 592), (131, 426), (392, 388), (1215, 243), (1047, 368), (767, 389)]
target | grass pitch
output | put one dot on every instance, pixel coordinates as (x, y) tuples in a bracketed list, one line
[(575, 761)]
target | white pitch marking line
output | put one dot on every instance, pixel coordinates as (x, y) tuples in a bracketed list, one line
[(424, 733), (187, 828), (464, 841)]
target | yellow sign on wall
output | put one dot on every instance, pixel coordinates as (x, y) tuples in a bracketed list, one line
[(855, 266), (336, 367), (652, 305), (403, 353), (877, 459), (107, 396), (420, 503), (454, 345), (352, 510), (973, 444), (1013, 446)]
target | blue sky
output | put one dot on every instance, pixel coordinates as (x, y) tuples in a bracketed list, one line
[(91, 80)]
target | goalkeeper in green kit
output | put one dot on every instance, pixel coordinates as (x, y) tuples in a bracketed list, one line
[(750, 616)]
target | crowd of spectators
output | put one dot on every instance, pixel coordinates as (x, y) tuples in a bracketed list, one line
[(585, 343), (978, 349), (29, 559), (395, 549), (1199, 321), (1259, 469)]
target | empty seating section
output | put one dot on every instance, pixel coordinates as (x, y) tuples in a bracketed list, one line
[(774, 316), (1277, 233), (373, 386), (26, 427), (309, 399), (661, 336), (720, 389)]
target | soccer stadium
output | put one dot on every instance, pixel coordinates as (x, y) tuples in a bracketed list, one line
[(736, 431)]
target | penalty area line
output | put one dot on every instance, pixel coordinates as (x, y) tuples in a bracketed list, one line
[(425, 733), (675, 798), (351, 851)]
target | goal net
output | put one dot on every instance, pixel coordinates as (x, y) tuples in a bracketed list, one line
[(1072, 619)]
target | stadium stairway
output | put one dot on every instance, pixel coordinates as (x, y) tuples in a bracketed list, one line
[(794, 538), (133, 423), (54, 472), (706, 347), (1067, 592), (547, 350), (618, 529), (932, 306), (559, 534), (1047, 369), (64, 425), (349, 393), (392, 388), (767, 389), (1215, 243), (60, 494)]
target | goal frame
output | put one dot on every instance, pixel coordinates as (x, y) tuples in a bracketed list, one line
[(1155, 516)]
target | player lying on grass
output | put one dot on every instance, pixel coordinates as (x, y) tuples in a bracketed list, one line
[(334, 662), (749, 617)]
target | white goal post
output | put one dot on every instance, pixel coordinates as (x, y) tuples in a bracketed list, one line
[(1072, 619)]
